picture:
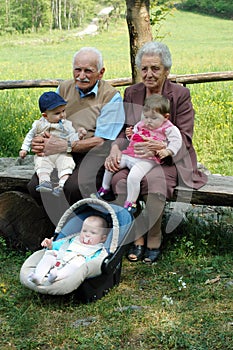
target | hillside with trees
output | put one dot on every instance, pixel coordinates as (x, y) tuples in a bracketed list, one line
[(219, 8), (27, 16)]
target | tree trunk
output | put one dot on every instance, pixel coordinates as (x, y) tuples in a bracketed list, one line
[(138, 20), (59, 15)]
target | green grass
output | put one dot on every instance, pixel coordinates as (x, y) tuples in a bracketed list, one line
[(169, 305), (165, 306), (198, 43)]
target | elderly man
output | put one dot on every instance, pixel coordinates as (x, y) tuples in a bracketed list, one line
[(95, 105)]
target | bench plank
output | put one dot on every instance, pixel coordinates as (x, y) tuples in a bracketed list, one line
[(217, 192)]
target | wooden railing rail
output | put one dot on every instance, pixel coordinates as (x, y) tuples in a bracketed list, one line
[(181, 79)]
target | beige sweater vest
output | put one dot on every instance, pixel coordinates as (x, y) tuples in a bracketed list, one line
[(85, 111)]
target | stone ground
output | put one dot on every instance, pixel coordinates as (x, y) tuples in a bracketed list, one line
[(17, 167)]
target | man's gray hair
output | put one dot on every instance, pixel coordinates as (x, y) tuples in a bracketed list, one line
[(98, 54), (155, 48)]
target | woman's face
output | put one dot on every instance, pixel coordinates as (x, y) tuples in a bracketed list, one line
[(153, 73)]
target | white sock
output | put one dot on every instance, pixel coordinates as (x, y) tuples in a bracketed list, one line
[(43, 178), (62, 180), (52, 275), (34, 278)]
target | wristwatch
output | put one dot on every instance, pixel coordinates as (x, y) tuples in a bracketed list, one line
[(69, 147)]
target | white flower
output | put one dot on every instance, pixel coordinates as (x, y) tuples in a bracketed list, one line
[(182, 284), (167, 300)]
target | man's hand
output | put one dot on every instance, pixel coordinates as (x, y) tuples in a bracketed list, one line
[(53, 145), (38, 144), (48, 144)]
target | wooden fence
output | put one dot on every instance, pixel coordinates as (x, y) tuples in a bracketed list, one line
[(181, 79)]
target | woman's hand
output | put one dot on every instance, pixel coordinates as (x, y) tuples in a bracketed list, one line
[(113, 160), (148, 148)]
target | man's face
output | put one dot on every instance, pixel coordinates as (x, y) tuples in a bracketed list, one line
[(85, 71)]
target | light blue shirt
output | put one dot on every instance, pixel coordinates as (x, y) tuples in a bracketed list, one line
[(56, 245), (112, 116)]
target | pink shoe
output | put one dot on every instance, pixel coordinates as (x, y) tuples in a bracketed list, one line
[(131, 206), (101, 192)]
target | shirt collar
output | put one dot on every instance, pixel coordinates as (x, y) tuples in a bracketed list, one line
[(93, 91)]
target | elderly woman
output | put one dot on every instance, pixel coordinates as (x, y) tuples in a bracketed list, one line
[(154, 63)]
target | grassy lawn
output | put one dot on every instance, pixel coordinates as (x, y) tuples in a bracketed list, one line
[(175, 304), (184, 302)]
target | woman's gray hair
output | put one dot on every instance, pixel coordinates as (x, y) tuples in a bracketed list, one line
[(98, 54), (155, 48)]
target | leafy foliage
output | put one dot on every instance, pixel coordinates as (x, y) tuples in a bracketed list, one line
[(159, 10), (30, 16), (222, 8)]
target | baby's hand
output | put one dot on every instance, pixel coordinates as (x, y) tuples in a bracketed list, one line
[(47, 243), (163, 153), (81, 133), (129, 132), (22, 153)]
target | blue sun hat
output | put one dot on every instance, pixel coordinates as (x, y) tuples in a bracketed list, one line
[(50, 100)]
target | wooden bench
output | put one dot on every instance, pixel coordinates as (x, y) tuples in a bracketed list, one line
[(217, 192)]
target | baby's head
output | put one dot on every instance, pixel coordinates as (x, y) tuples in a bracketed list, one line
[(52, 106), (94, 230), (156, 111)]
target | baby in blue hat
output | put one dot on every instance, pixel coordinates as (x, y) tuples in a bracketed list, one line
[(53, 120)]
